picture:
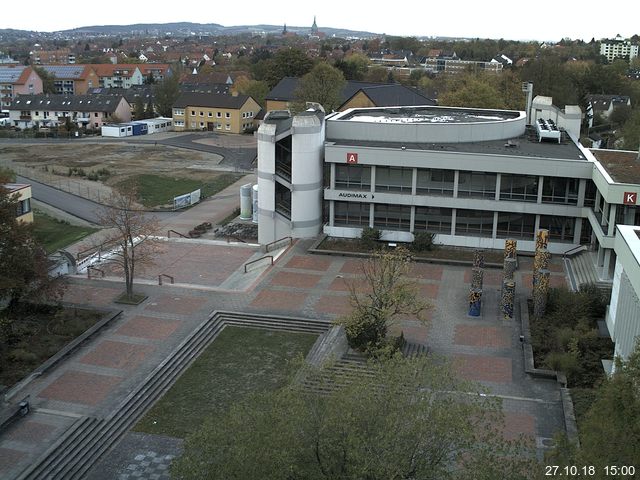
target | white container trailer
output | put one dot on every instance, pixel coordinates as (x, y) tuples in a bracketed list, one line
[(157, 125), (119, 130)]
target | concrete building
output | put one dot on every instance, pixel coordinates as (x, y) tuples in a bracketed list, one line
[(623, 313), (472, 177), (569, 118), (618, 48), (118, 75), (17, 80)]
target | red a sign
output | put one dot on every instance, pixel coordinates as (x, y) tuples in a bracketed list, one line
[(630, 198), (352, 158)]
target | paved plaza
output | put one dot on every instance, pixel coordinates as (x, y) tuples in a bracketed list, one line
[(96, 377)]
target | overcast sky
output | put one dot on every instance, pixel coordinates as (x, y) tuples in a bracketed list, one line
[(515, 19)]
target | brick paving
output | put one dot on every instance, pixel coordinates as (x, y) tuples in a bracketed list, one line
[(94, 380), (490, 277), (148, 327), (482, 336), (30, 431), (120, 355), (555, 281), (80, 387)]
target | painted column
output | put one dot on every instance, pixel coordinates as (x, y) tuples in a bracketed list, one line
[(508, 296), (475, 302), (541, 293)]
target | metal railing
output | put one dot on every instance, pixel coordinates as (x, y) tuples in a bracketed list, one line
[(268, 245), (573, 250), (257, 260), (89, 269), (235, 237), (171, 279), (177, 233)]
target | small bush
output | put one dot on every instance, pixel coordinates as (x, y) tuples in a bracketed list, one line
[(370, 237), (21, 355), (422, 242)]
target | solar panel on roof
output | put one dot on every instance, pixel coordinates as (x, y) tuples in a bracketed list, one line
[(10, 74)]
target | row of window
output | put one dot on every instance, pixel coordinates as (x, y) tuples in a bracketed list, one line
[(218, 126), (180, 113), (470, 184), (476, 223)]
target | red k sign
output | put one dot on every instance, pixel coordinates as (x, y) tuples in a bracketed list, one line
[(352, 158), (630, 198)]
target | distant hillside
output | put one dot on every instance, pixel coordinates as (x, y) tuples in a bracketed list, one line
[(182, 29)]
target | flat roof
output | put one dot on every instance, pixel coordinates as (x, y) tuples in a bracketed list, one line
[(14, 187), (623, 166), (519, 147), (426, 114)]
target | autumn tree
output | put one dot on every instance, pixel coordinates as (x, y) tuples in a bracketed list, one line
[(165, 93), (130, 234), (24, 266), (287, 62), (384, 294), (398, 419), (48, 79), (256, 89), (323, 84)]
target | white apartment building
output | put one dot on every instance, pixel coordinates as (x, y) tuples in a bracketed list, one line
[(618, 48)]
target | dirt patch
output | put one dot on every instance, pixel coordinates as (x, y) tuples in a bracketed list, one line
[(122, 160)]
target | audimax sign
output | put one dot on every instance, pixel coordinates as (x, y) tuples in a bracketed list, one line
[(353, 195)]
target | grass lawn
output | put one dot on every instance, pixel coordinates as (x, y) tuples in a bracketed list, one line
[(157, 190), (55, 234), (238, 362), (36, 334)]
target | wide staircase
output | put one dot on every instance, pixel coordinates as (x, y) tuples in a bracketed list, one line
[(89, 438), (582, 271)]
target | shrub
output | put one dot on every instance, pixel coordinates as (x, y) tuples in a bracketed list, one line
[(21, 355), (422, 242), (369, 237)]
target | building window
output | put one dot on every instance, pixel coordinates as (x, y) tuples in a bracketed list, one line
[(353, 214), (477, 185), (353, 177), (516, 225), (394, 179), (227, 115), (519, 187), (590, 194), (23, 207), (392, 217), (435, 181), (433, 220), (477, 223), (560, 190), (218, 115), (219, 126), (210, 114), (201, 124), (202, 114), (227, 127), (179, 113), (193, 113), (561, 229)]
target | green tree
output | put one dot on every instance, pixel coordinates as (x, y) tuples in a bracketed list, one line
[(48, 80), (609, 432), (138, 109), (256, 89), (631, 131), (323, 84), (24, 266), (150, 112), (165, 94), (384, 295), (287, 62), (401, 419), (376, 74), (354, 67)]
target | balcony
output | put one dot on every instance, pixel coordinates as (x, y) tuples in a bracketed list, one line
[(25, 117)]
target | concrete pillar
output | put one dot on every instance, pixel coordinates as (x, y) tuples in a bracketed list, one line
[(412, 221), (498, 182), (456, 179), (507, 299), (371, 213), (494, 230), (577, 231), (332, 181), (606, 264), (373, 179), (540, 186), (612, 220), (582, 189), (332, 212), (414, 181), (475, 302), (453, 220)]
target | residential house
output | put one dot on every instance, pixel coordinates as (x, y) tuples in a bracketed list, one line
[(354, 94), (145, 92), (44, 57), (17, 80), (604, 105), (447, 64), (157, 71), (503, 59), (214, 112), (23, 193), (118, 75), (72, 79), (84, 111)]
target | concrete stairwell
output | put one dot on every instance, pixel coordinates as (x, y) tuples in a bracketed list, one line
[(582, 271)]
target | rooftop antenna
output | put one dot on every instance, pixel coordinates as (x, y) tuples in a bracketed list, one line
[(527, 87)]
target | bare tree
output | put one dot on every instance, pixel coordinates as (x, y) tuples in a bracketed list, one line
[(130, 233), (384, 294)]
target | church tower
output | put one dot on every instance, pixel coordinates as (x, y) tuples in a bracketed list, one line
[(314, 27)]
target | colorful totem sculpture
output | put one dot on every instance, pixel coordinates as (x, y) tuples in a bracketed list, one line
[(541, 293), (508, 283), (475, 291)]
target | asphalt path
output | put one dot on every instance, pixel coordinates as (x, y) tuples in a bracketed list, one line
[(77, 206)]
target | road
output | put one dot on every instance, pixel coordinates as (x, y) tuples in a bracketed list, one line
[(72, 204)]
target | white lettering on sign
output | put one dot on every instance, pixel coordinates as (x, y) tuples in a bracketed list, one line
[(630, 198), (352, 158)]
